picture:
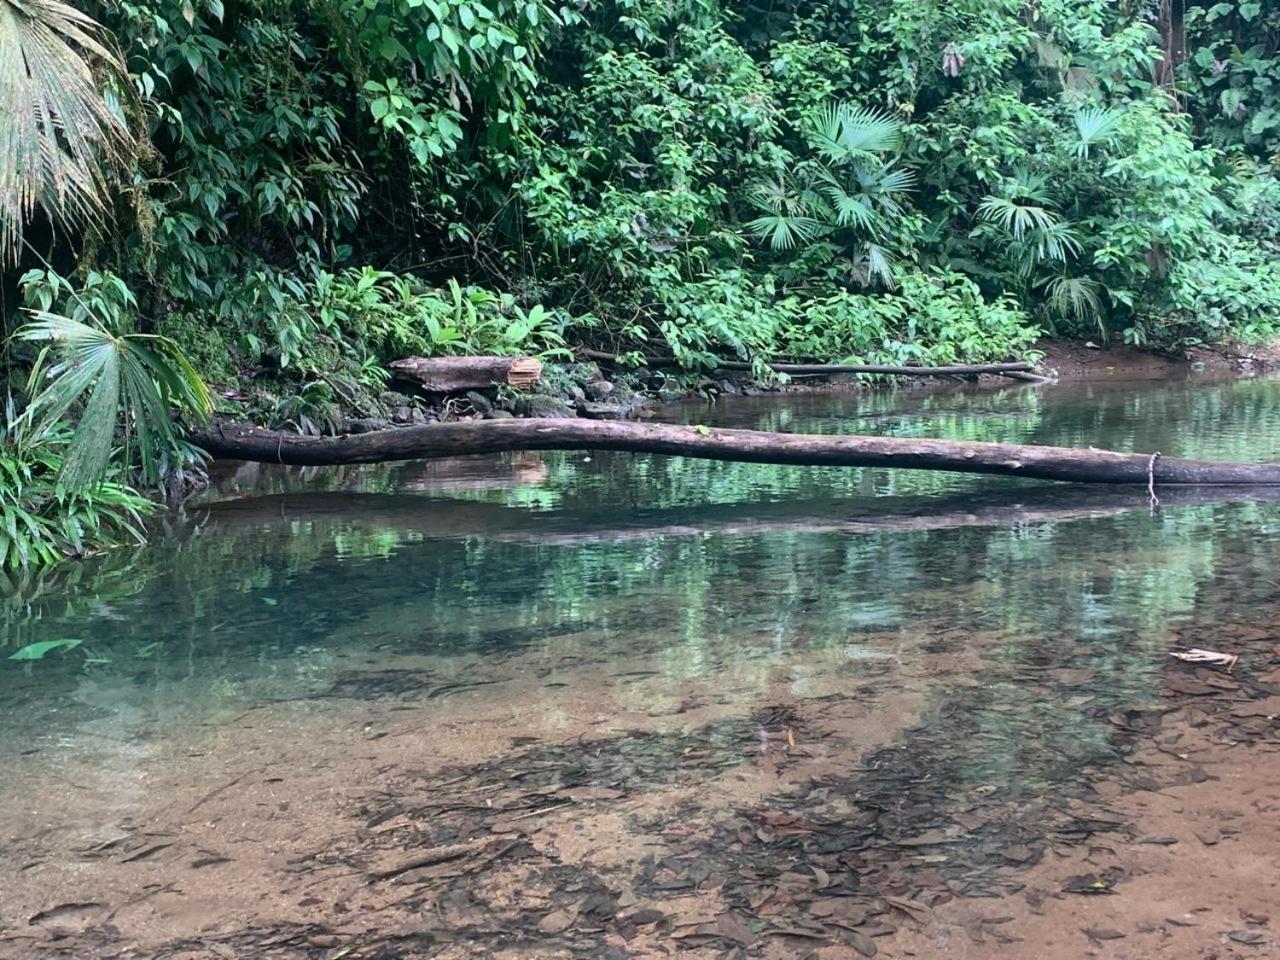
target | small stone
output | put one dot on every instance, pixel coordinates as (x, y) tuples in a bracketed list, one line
[(575, 393), (401, 414), (366, 424), (558, 921), (548, 408), (602, 411), (479, 402), (599, 389), (499, 415)]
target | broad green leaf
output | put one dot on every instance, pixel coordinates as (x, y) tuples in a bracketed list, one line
[(36, 651)]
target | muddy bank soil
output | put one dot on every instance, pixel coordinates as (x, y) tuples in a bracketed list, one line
[(1078, 360), (894, 806)]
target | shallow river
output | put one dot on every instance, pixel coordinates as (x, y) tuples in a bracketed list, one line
[(656, 704)]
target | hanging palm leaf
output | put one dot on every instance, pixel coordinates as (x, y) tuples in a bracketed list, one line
[(144, 376), (1076, 297), (880, 265), (59, 138)]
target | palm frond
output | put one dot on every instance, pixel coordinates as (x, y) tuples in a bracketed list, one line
[(1028, 186), (880, 265), (869, 131), (841, 132), (1056, 242), (142, 376), (59, 139), (1096, 125), (851, 209), (824, 131), (785, 232), (1016, 219), (1075, 297), (890, 179)]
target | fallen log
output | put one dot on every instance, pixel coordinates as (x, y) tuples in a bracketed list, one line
[(753, 446), (454, 374), (823, 369)]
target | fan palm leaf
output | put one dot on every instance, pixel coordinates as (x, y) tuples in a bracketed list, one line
[(785, 232), (851, 209), (141, 375), (1016, 219), (880, 265), (1076, 297), (1096, 125), (842, 131), (59, 137)]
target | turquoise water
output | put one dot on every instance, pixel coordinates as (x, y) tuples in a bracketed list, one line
[(311, 672), (277, 589)]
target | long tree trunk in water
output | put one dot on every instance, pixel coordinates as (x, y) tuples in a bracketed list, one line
[(707, 443)]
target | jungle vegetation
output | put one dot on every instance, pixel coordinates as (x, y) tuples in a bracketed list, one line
[(279, 197)]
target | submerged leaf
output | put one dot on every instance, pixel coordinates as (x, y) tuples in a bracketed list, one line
[(36, 651)]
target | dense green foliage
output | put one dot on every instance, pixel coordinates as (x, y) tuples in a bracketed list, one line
[(310, 190), (724, 177)]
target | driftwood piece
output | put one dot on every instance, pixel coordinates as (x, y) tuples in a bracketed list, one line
[(455, 374), (824, 369), (753, 446)]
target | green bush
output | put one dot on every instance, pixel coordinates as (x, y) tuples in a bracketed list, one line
[(43, 521)]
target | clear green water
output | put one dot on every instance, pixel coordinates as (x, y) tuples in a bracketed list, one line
[(311, 586)]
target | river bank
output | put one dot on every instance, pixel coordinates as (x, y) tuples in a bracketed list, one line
[(603, 391)]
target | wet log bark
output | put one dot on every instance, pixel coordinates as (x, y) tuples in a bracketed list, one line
[(454, 374), (821, 369), (752, 446)]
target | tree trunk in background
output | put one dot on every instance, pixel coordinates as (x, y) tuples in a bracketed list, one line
[(751, 446), (1173, 41)]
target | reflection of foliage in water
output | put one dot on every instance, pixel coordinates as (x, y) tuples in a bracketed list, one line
[(243, 603)]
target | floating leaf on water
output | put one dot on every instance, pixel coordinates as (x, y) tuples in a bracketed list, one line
[(1267, 707), (36, 651), (62, 910), (929, 838), (1019, 853), (733, 927)]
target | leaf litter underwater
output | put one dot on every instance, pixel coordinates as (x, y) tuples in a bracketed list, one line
[(467, 860)]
